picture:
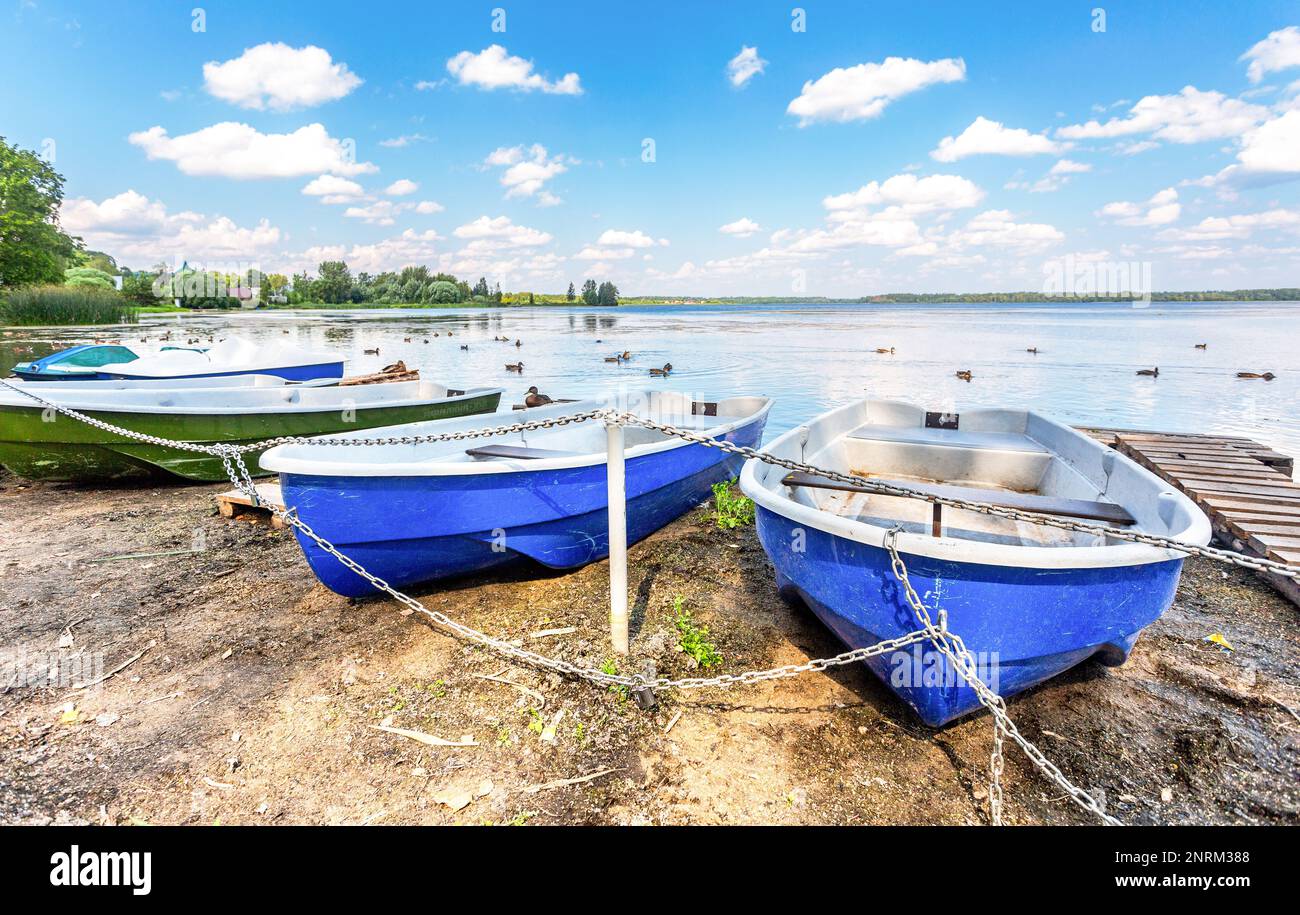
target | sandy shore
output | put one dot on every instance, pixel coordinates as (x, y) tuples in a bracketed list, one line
[(258, 700)]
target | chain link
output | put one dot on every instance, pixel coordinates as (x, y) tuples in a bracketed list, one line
[(948, 643)]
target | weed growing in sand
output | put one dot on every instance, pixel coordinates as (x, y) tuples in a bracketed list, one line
[(611, 667), (694, 639), (733, 509), (535, 723)]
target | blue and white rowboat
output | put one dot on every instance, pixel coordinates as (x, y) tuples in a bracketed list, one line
[(1029, 601), (415, 513), (233, 356)]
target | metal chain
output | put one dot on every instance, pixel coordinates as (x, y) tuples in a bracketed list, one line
[(954, 649)]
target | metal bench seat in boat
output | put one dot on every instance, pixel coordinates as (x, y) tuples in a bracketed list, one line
[(954, 438), (1107, 512)]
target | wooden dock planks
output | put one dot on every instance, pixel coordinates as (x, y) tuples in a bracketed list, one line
[(1245, 489), (234, 503)]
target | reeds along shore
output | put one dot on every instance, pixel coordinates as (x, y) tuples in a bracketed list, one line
[(64, 305)]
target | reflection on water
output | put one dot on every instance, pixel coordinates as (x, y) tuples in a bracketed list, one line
[(812, 357)]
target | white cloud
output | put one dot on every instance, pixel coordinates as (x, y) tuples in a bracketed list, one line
[(1279, 51), (1057, 177), (276, 76), (634, 239), (404, 250), (404, 140), (1162, 209), (401, 187), (1213, 228), (985, 137), (500, 231), (385, 212), (1273, 147), (527, 170), (1191, 116), (744, 66), (741, 228), (494, 68), (427, 207), (130, 226), (863, 91), (910, 193), (998, 229), (333, 189), (234, 150)]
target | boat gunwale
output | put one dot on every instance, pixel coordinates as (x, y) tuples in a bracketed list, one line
[(280, 463), (963, 550), (82, 406)]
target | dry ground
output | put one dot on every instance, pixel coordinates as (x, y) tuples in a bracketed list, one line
[(257, 700)]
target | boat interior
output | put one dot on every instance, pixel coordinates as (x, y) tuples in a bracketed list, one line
[(1013, 459), (519, 450)]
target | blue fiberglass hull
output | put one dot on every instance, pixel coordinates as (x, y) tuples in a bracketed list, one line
[(1023, 625), (289, 373), (411, 529)]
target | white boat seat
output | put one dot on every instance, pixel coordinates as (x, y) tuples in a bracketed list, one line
[(954, 438), (514, 452), (1108, 512)]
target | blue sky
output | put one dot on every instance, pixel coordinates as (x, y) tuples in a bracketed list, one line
[(884, 147)]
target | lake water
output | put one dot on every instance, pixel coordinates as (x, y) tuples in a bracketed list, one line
[(811, 357)]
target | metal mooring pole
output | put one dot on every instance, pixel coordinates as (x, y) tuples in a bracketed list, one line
[(617, 498)]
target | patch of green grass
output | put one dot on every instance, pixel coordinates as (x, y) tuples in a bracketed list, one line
[(611, 667), (694, 639), (535, 722), (521, 818), (732, 509), (579, 732)]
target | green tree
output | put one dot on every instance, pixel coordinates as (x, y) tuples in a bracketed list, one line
[(481, 288), (33, 248), (571, 295), (443, 292), (87, 276), (138, 288), (589, 293), (607, 294), (333, 282)]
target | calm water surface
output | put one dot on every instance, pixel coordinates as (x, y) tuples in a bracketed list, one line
[(813, 357)]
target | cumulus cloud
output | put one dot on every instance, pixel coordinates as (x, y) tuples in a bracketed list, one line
[(1162, 209), (495, 68), (744, 66), (527, 170), (998, 229), (633, 239), (863, 91), (1191, 116), (741, 228), (1213, 228), (234, 150), (500, 232), (985, 137), (912, 195), (333, 189), (401, 187), (276, 76), (394, 253), (1279, 51), (130, 226)]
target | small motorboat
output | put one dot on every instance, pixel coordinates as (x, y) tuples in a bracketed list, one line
[(91, 388), (1029, 600), (43, 445), (415, 513), (232, 356), (85, 362)]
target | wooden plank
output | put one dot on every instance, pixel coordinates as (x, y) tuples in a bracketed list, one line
[(1282, 492), (1255, 469), (1046, 505), (1254, 518), (1179, 456), (1227, 478), (1272, 542), (234, 503), (1259, 529), (1229, 504)]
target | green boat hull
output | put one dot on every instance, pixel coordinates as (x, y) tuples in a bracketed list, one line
[(55, 447)]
